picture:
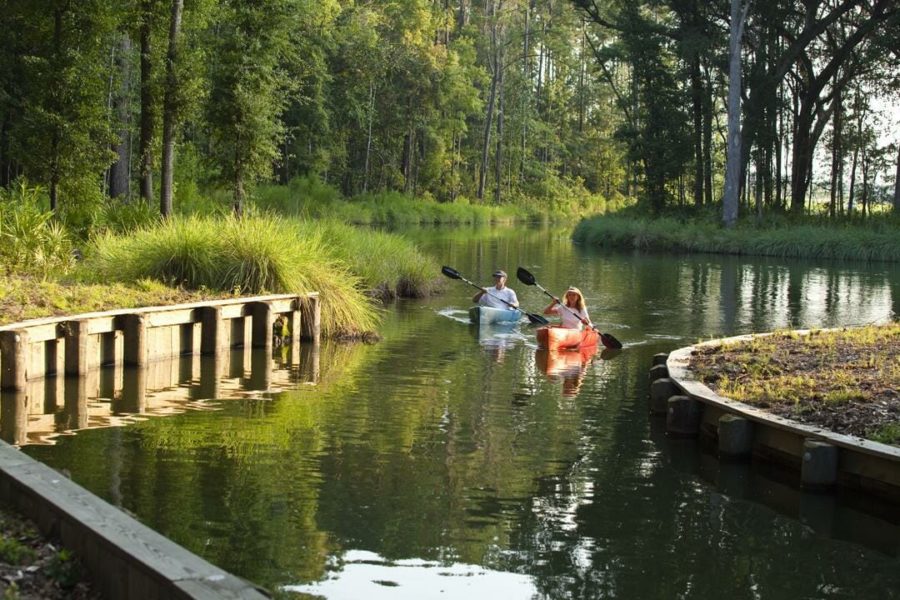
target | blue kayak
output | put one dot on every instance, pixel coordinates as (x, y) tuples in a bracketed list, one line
[(485, 315)]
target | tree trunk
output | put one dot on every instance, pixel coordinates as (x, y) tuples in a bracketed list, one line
[(836, 158), (864, 198), (120, 171), (462, 16), (526, 92), (148, 103), (733, 166), (489, 116), (852, 181), (369, 136), (169, 110), (238, 191), (707, 140), (581, 69), (801, 159), (498, 159), (697, 109), (897, 185)]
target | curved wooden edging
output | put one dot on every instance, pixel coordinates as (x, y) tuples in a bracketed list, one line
[(125, 558), (823, 458)]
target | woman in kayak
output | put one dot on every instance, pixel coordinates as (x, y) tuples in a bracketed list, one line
[(574, 314), (494, 297)]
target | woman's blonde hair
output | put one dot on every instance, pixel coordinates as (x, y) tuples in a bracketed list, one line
[(579, 303)]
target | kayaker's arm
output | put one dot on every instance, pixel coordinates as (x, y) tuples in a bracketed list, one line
[(549, 310), (478, 296)]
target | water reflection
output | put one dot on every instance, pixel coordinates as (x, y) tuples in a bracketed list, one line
[(448, 447), (117, 396)]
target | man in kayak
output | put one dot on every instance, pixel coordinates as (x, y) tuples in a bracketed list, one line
[(576, 317), (494, 297)]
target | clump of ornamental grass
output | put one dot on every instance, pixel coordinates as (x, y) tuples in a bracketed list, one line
[(254, 255), (389, 265)]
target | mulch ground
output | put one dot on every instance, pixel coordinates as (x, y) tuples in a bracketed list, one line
[(32, 567), (846, 381)]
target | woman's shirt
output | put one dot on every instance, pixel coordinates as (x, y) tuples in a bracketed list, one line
[(571, 316)]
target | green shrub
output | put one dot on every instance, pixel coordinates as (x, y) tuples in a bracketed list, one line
[(13, 552), (31, 241)]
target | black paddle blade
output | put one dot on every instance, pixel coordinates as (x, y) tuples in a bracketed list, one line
[(609, 341), (524, 276), (451, 273), (537, 319)]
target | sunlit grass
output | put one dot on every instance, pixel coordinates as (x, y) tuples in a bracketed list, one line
[(23, 298), (244, 256), (388, 264)]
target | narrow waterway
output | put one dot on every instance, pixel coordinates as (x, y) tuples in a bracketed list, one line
[(447, 461)]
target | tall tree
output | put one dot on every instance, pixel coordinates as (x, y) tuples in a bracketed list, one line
[(120, 171), (731, 198), (62, 137), (171, 102), (250, 89)]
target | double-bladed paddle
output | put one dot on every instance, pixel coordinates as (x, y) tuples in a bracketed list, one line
[(454, 274), (528, 279)]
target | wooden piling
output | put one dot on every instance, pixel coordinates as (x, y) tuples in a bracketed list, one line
[(13, 358)]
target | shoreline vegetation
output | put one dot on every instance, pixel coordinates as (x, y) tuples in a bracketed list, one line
[(293, 238), (874, 240), (841, 380)]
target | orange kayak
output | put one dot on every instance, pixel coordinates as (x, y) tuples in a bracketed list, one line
[(562, 338)]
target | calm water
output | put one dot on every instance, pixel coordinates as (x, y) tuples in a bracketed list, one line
[(444, 462)]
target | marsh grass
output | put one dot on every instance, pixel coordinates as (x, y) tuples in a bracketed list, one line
[(842, 379), (873, 241), (390, 265), (254, 255)]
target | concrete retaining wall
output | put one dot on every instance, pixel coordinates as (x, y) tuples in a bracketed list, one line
[(125, 558), (822, 459)]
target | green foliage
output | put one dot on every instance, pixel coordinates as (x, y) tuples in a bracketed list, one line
[(61, 135), (250, 255), (64, 569), (309, 198), (31, 242), (249, 89), (887, 434), (13, 552)]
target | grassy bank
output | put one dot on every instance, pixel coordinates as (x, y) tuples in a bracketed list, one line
[(269, 254), (23, 297), (875, 241), (133, 258), (845, 381)]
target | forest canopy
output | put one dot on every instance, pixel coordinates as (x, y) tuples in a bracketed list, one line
[(492, 101)]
